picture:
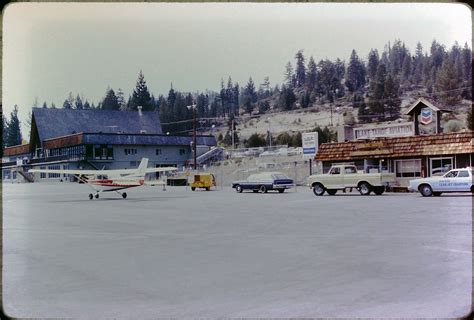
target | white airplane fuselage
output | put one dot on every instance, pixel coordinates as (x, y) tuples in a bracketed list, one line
[(115, 184)]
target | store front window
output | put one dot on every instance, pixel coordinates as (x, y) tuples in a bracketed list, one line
[(408, 168), (439, 166)]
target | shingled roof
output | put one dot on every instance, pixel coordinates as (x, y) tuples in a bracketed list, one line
[(53, 123), (401, 147)]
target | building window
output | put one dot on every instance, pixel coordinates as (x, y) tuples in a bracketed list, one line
[(6, 174), (103, 152), (158, 152), (182, 152), (408, 168), (130, 151), (440, 166), (43, 174), (54, 175)]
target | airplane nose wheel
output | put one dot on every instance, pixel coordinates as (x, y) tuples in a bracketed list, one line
[(124, 195), (97, 196)]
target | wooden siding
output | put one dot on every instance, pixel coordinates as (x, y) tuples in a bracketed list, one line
[(16, 150), (66, 141), (402, 147)]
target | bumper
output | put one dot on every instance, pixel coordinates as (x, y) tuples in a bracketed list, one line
[(283, 186)]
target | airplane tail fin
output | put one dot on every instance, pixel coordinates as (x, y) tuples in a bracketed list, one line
[(141, 170)]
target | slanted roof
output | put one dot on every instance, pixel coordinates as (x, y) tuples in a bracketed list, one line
[(53, 123), (400, 147), (424, 103)]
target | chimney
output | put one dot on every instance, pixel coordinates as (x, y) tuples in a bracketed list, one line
[(140, 110)]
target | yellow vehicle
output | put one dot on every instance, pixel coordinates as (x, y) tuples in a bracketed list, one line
[(203, 180)]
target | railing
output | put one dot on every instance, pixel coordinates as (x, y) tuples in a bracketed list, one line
[(216, 152)]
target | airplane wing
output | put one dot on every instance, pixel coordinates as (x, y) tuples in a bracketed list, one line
[(161, 169), (101, 172), (75, 172)]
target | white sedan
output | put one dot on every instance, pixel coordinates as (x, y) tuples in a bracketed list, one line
[(456, 180)]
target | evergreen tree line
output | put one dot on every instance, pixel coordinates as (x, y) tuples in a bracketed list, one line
[(11, 133), (285, 138), (373, 85)]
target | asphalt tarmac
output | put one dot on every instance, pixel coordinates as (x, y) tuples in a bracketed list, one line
[(179, 253)]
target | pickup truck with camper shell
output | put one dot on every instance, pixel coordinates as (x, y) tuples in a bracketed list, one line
[(345, 176)]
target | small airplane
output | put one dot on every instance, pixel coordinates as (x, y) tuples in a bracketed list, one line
[(110, 180)]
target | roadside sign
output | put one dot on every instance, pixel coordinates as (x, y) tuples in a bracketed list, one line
[(310, 144), (426, 116)]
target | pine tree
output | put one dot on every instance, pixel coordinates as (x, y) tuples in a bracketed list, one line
[(289, 77), (110, 101), (53, 106), (45, 106), (373, 64), (121, 99), (223, 98), (171, 96), (466, 63), (406, 70), (249, 96), (376, 96), (13, 136), (87, 105), (78, 103), (363, 112), (264, 90), (300, 69), (287, 98), (311, 75), (391, 98), (447, 84), (355, 77), (69, 102), (141, 96), (4, 132), (470, 120), (417, 67)]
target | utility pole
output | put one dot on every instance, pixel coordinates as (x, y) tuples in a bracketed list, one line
[(193, 108), (331, 114), (233, 134), (194, 136)]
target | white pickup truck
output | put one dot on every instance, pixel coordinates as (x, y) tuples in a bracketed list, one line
[(342, 177)]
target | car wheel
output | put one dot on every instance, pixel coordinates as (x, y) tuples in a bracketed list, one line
[(436, 194), (238, 188), (281, 190), (331, 192), (207, 188), (364, 189), (425, 190), (193, 188), (262, 189), (318, 189)]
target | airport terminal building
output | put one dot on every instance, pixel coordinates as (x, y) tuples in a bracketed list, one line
[(97, 139)]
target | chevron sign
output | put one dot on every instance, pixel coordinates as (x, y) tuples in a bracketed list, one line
[(426, 116)]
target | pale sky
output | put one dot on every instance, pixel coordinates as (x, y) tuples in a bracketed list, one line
[(51, 49)]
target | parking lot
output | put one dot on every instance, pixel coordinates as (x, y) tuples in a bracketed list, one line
[(179, 253)]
